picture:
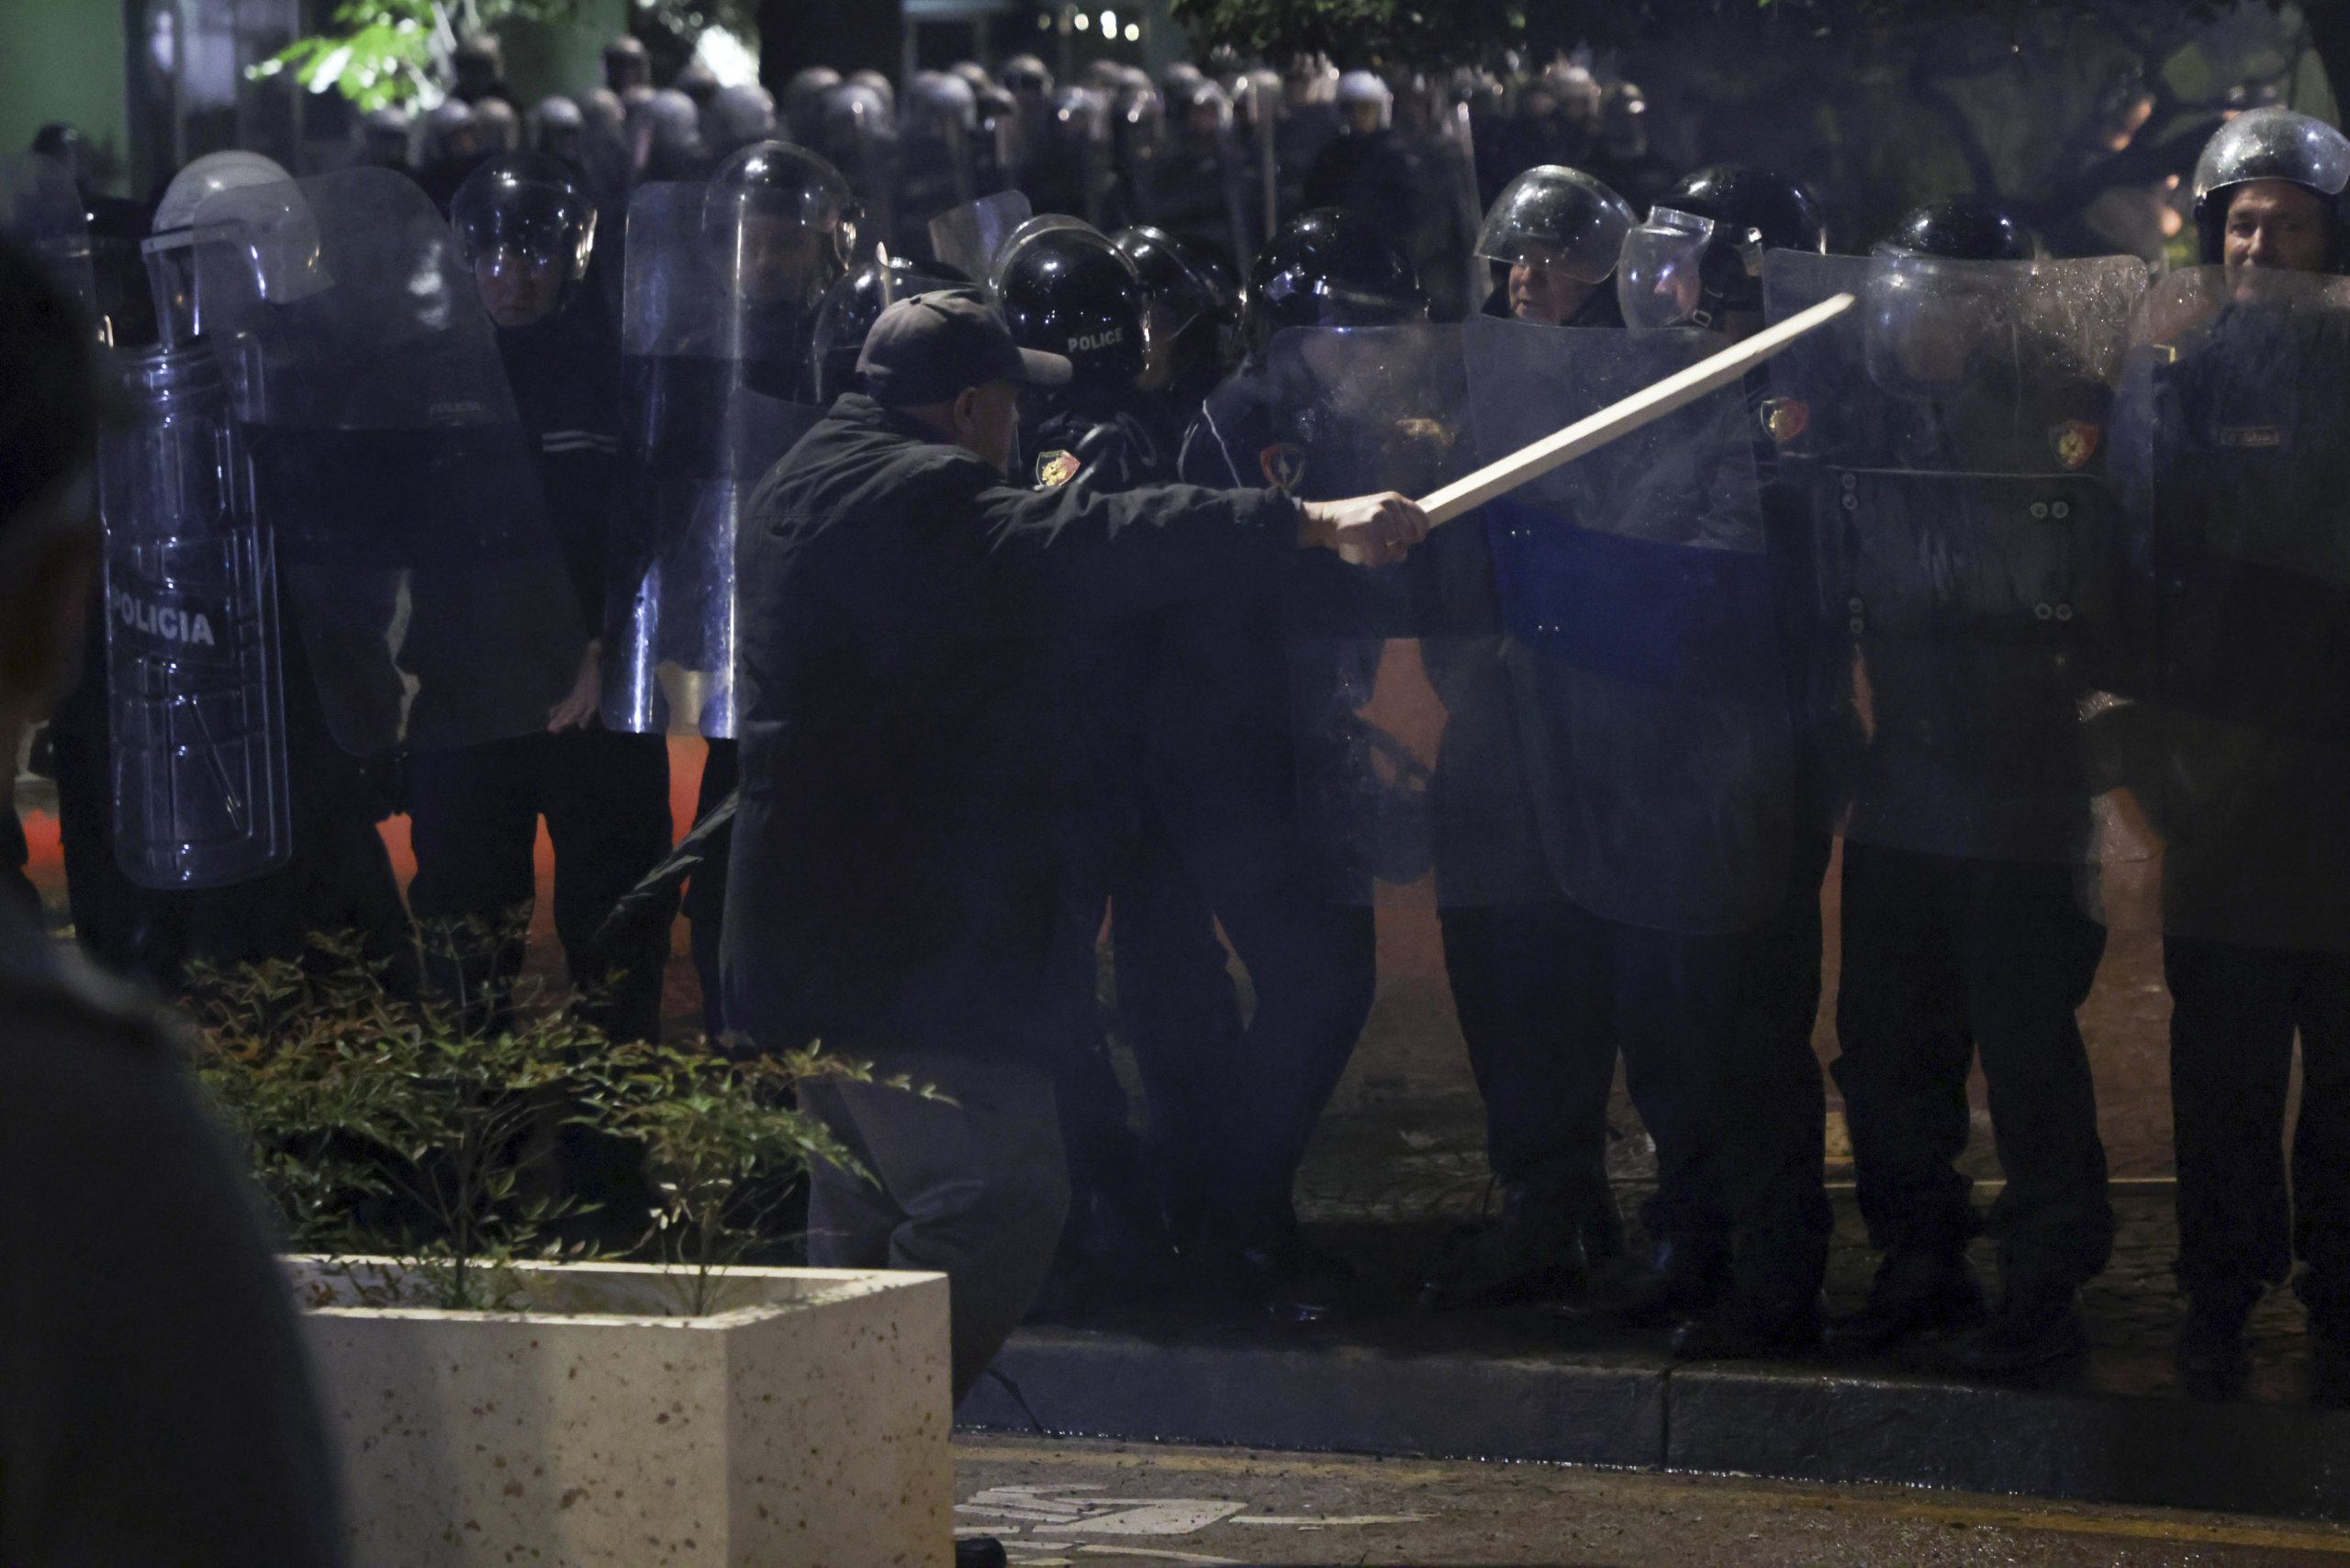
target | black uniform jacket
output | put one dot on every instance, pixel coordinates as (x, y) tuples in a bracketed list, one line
[(908, 793)]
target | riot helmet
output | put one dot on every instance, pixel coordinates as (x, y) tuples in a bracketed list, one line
[(881, 87), (170, 253), (1025, 76), (1191, 315), (478, 62), (803, 102), (1331, 268), (1365, 102), (784, 220), (1624, 120), (499, 127), (1553, 219), (525, 229), (668, 136), (1699, 256), (697, 82), (1066, 289), (941, 105), (383, 138), (626, 64), (1177, 80), (1205, 116), (1178, 292), (451, 134), (972, 74), (2272, 144), (558, 128), (851, 306), (1962, 227), (737, 116), (63, 140)]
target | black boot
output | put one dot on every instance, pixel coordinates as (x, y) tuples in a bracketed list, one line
[(1674, 1282), (1532, 1251), (1742, 1328), (1913, 1294), (2213, 1358), (979, 1551), (2038, 1325)]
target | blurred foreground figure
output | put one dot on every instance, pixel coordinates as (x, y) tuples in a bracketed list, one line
[(155, 1404)]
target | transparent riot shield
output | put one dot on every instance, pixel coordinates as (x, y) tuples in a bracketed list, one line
[(1408, 778), (40, 209), (387, 463), (712, 395), (2233, 451), (1650, 685), (970, 237), (1974, 577), (196, 711)]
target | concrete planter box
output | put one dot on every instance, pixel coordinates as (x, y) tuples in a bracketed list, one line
[(805, 1426)]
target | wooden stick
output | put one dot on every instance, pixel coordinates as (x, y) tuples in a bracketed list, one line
[(1675, 391)]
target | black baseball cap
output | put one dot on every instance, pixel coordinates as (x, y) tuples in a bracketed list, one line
[(929, 348)]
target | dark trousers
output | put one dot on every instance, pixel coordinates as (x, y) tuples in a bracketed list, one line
[(1944, 958), (972, 1185), (1530, 989), (474, 814), (1249, 1098), (705, 899), (1179, 1014), (2234, 1012)]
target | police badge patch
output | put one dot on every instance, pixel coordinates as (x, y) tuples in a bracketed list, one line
[(2074, 442), (1284, 466), (1784, 419), (1055, 469)]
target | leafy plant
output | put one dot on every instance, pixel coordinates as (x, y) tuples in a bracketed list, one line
[(725, 1142), (380, 53), (432, 1127)]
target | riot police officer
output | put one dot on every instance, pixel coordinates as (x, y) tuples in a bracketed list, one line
[(1971, 409), (1222, 762), (1066, 290), (1545, 1083), (336, 875), (1192, 319), (1714, 1014), (1555, 233), (2249, 420), (526, 229)]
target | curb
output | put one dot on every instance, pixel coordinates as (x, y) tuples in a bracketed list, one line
[(1635, 1410)]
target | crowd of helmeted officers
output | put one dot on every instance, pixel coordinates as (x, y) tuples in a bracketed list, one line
[(2016, 533)]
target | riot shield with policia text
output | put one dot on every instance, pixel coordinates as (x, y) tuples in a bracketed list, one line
[(1647, 678), (387, 462), (1976, 586), (1408, 775), (2234, 450)]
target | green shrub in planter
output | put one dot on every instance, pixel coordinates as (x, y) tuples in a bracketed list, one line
[(422, 1129)]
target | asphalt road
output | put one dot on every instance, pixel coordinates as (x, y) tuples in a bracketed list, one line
[(1079, 1504)]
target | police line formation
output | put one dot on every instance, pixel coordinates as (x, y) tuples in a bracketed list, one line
[(2023, 568)]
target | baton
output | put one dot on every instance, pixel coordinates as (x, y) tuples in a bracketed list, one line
[(1621, 418)]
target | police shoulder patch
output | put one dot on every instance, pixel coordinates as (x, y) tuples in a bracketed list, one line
[(2074, 442), (1283, 466), (1784, 419), (1055, 469)]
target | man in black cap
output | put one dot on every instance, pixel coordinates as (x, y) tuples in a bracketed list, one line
[(907, 805)]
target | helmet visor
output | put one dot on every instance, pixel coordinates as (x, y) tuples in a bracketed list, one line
[(1659, 281)]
